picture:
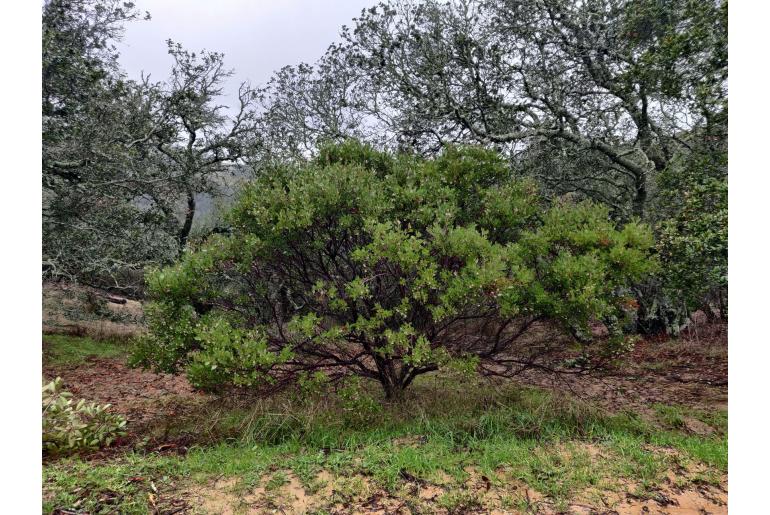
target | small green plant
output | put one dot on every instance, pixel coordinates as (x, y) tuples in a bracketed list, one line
[(460, 501), (70, 426), (277, 481), (358, 404), (670, 416)]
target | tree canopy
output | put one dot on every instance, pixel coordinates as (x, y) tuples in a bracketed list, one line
[(621, 102), (120, 156), (389, 267)]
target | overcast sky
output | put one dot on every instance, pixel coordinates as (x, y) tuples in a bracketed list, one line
[(256, 36)]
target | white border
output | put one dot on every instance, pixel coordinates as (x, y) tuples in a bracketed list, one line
[(749, 199), (20, 300)]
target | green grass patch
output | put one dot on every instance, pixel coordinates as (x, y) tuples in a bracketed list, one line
[(442, 433), (70, 350)]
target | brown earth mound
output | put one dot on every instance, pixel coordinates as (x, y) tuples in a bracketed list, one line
[(138, 395)]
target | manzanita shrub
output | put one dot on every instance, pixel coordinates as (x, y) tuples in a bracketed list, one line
[(388, 267), (70, 426)]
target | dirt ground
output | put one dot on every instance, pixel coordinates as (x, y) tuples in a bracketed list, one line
[(220, 497), (693, 373), (140, 396)]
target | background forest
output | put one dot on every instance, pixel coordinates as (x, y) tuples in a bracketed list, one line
[(623, 103)]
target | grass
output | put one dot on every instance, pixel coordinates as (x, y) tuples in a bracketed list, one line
[(448, 432), (70, 350)]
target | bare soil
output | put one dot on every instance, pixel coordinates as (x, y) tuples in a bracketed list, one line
[(139, 395), (691, 371), (223, 497)]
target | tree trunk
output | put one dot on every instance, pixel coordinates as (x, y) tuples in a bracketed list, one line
[(392, 381), (393, 391), (184, 232), (640, 197)]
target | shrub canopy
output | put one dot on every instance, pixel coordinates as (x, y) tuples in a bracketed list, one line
[(390, 267)]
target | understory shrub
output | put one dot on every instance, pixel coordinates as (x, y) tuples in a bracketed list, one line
[(70, 426), (388, 267), (691, 242)]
